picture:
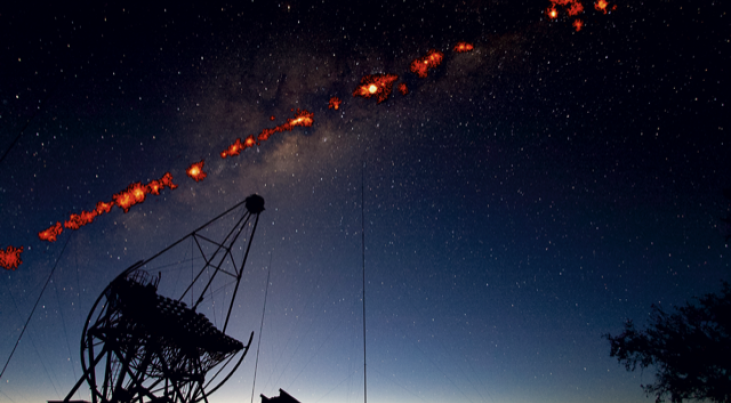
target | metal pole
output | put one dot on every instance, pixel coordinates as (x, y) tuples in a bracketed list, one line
[(362, 252)]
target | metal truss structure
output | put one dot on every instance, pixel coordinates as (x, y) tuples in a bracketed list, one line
[(142, 343)]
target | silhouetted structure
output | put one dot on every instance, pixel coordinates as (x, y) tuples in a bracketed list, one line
[(283, 397), (690, 350), (141, 346)]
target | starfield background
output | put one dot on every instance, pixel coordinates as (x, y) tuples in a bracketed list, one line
[(522, 198)]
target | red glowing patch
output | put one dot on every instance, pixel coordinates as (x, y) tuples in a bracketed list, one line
[(102, 207), (10, 257), (578, 24), (167, 181), (195, 171), (376, 85), (601, 5), (79, 220), (301, 118), (136, 193), (334, 103), (153, 187), (403, 89), (421, 66), (264, 135), (124, 199), (271, 118), (51, 233), (233, 149), (573, 7), (463, 47)]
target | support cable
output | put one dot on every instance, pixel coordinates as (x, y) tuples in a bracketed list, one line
[(6, 396), (65, 333), (34, 308), (362, 252), (261, 327), (32, 343)]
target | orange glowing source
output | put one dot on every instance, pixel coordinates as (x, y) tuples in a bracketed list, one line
[(301, 118), (421, 66), (136, 192), (403, 89), (334, 103), (153, 187), (167, 181), (578, 24), (51, 233), (376, 85), (463, 47), (238, 146), (601, 5), (233, 149), (79, 220), (10, 257), (195, 171), (124, 199), (573, 7), (102, 207)]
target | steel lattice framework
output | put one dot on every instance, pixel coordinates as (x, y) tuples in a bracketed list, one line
[(139, 345)]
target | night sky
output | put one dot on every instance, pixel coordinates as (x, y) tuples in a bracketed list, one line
[(520, 202)]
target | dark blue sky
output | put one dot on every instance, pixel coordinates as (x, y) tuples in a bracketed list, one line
[(523, 200)]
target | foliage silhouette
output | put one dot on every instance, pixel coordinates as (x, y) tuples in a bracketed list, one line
[(689, 349)]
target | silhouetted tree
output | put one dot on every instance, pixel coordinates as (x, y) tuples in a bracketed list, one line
[(689, 349)]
